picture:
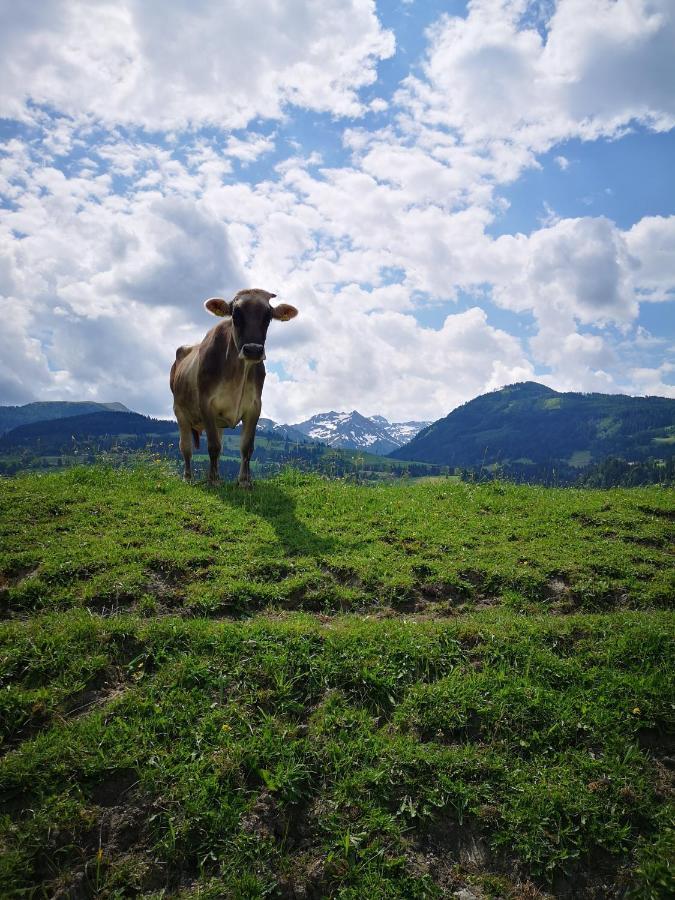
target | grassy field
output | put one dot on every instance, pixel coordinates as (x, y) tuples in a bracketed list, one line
[(327, 690)]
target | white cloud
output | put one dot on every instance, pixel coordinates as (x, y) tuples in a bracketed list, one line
[(176, 65), (597, 68), (104, 281), (652, 243), (114, 279), (650, 381), (385, 363), (576, 267), (248, 150)]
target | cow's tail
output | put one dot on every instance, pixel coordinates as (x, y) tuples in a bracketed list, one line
[(195, 438)]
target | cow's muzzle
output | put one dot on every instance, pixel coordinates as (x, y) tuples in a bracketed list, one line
[(252, 352)]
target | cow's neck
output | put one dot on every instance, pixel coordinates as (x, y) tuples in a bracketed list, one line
[(241, 369)]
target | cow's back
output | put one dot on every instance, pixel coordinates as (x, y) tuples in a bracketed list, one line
[(183, 378)]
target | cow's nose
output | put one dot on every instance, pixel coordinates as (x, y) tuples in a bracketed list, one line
[(253, 351)]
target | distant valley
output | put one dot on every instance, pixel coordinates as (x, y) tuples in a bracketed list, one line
[(64, 436), (344, 431), (524, 432)]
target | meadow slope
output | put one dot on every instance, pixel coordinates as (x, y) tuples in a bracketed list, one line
[(325, 690)]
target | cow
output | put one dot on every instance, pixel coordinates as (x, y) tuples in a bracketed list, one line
[(218, 383)]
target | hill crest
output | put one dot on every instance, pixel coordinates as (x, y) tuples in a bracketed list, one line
[(529, 424)]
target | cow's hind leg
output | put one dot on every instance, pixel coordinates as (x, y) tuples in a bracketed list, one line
[(214, 442), (185, 444), (248, 427)]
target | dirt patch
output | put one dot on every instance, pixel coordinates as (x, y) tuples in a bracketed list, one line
[(15, 576), (409, 545), (112, 602), (442, 592), (558, 587), (661, 744), (102, 689), (447, 852), (12, 578), (598, 877), (659, 513), (462, 865), (85, 701), (166, 589), (664, 785), (584, 519), (198, 528), (658, 543), (119, 837), (110, 791), (343, 575), (308, 880), (558, 593)]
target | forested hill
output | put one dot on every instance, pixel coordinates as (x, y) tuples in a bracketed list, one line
[(13, 416), (530, 424), (51, 435), (55, 432)]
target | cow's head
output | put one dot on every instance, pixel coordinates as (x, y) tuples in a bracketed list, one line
[(251, 313)]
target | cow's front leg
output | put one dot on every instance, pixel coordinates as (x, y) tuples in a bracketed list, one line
[(248, 427), (214, 443)]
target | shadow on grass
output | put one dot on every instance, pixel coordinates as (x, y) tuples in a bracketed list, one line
[(278, 507)]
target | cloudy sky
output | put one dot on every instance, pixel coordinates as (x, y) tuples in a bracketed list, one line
[(455, 195)]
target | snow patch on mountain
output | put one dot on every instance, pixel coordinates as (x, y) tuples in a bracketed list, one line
[(353, 431)]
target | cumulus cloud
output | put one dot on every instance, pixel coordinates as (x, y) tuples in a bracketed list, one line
[(652, 243), (176, 64), (113, 238), (385, 363), (591, 71), (575, 267)]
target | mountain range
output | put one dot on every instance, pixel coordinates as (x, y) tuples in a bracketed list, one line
[(352, 431), (529, 424), (12, 416), (345, 431), (526, 429)]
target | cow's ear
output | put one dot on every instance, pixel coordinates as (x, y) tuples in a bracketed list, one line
[(284, 312), (219, 307)]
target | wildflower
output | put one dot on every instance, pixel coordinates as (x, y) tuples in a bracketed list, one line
[(636, 711)]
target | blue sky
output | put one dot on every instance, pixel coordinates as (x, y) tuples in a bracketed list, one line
[(455, 196)]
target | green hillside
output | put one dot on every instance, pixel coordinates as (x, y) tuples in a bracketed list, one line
[(50, 435), (327, 690), (13, 416), (530, 425)]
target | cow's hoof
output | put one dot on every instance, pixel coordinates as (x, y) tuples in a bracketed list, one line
[(213, 482), (245, 485)]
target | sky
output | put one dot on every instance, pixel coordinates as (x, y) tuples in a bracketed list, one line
[(455, 195)]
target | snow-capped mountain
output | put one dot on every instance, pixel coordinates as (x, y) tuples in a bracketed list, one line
[(284, 432), (352, 431), (401, 432)]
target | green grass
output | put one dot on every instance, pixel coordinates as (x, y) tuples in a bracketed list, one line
[(325, 690)]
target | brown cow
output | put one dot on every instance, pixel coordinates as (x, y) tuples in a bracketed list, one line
[(218, 383)]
